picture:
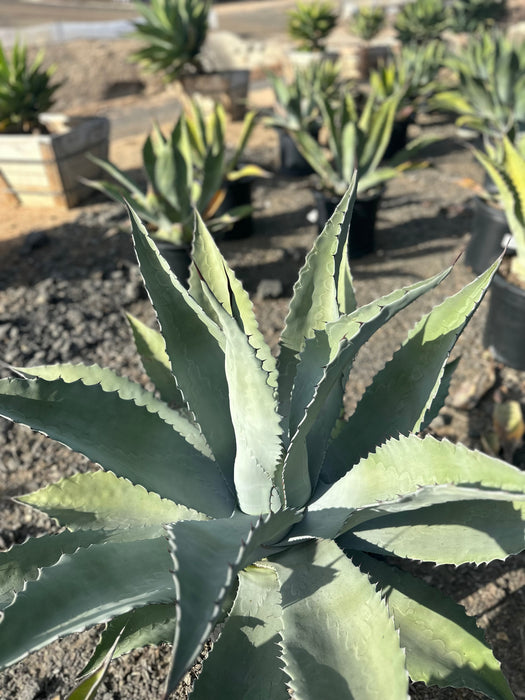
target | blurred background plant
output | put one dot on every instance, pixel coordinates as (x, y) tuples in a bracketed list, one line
[(310, 24), (173, 32), (297, 99), (26, 90), (367, 22), (488, 94), (412, 71), (421, 21), (475, 15), (188, 169)]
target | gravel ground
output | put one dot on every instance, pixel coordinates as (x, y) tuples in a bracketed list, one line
[(62, 297)]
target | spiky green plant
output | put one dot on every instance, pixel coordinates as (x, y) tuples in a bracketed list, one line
[(25, 90), (357, 142), (281, 519), (475, 15), (489, 96), (421, 21), (367, 22), (310, 23), (413, 71), (187, 170), (174, 32), (297, 100)]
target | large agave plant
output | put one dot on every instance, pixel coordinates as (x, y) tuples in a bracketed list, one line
[(254, 503)]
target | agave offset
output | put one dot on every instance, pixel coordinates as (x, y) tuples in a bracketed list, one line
[(255, 503)]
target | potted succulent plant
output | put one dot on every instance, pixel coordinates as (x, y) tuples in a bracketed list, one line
[(207, 135), (489, 95), (366, 23), (413, 72), (421, 21), (475, 15), (356, 142), (255, 505), (505, 328), (297, 107), (43, 154), (186, 171), (309, 25), (174, 33)]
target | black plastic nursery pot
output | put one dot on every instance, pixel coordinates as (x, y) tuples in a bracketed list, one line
[(489, 227), (399, 137), (178, 258), (291, 160), (362, 228), (505, 327), (238, 194)]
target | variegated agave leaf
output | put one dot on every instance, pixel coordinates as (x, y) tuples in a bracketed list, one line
[(235, 493)]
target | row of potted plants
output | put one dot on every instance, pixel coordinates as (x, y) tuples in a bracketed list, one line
[(333, 135)]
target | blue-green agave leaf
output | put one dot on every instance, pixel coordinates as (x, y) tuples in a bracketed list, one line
[(338, 638), (403, 465), (253, 408), (251, 634), (348, 334), (221, 280), (152, 624), (207, 560), (122, 435), (87, 689), (152, 350), (327, 520), (102, 500), (110, 381), (403, 391), (322, 289), (443, 645), (90, 586), (22, 562), (442, 393), (194, 345), (451, 533), (395, 476), (321, 376)]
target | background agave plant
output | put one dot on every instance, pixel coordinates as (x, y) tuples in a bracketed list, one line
[(310, 24), (367, 22), (186, 170), (421, 21), (282, 520), (174, 32), (490, 93), (25, 90)]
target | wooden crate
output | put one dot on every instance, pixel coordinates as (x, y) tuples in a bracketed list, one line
[(44, 170)]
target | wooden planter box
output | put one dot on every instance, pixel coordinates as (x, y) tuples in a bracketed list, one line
[(44, 170)]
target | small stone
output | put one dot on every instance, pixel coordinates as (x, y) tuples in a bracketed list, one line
[(269, 289)]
